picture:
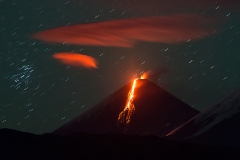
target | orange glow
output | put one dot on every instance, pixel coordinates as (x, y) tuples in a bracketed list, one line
[(127, 32), (75, 59), (154, 74), (143, 76), (125, 115)]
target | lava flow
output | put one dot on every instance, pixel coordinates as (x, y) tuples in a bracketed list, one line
[(125, 115)]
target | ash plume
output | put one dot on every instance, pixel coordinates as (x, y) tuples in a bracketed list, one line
[(154, 74)]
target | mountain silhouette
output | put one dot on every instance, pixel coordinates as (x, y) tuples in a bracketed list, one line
[(157, 112), (218, 125)]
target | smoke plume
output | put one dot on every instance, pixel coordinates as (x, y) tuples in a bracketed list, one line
[(154, 74)]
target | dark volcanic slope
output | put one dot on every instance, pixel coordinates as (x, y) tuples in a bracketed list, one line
[(20, 145), (219, 125), (157, 113)]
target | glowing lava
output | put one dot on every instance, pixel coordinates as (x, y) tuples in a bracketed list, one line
[(143, 76), (125, 115)]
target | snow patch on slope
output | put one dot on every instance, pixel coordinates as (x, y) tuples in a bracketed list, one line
[(226, 108)]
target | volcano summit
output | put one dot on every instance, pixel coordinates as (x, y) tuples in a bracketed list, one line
[(157, 112)]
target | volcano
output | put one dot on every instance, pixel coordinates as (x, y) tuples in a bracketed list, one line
[(219, 125), (157, 112)]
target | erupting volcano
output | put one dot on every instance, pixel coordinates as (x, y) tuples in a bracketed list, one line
[(151, 110)]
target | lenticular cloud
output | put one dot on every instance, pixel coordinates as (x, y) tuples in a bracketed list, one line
[(75, 59), (126, 32)]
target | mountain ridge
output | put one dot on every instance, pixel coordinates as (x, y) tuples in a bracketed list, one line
[(217, 125)]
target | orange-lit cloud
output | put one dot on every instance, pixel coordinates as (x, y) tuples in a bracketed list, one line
[(126, 32), (75, 59)]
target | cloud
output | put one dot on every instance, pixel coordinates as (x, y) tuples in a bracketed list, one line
[(126, 32), (75, 59)]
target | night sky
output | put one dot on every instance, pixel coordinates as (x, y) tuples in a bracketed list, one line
[(39, 94)]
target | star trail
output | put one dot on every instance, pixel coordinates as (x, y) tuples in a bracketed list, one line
[(39, 94)]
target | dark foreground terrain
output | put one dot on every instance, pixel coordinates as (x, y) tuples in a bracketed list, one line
[(21, 145)]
